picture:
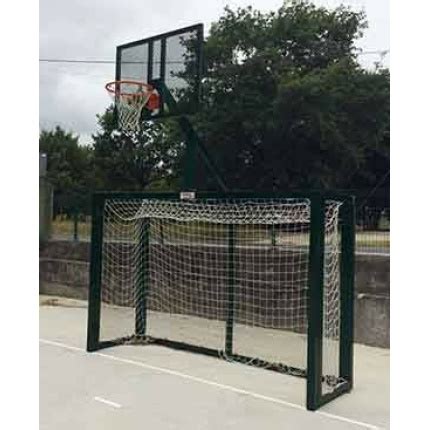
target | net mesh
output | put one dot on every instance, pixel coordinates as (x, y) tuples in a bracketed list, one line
[(129, 98), (194, 271), (331, 300)]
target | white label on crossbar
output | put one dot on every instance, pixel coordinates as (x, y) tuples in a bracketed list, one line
[(187, 195)]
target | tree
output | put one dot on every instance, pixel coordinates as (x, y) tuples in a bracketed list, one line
[(68, 169), (132, 161), (67, 160), (286, 103)]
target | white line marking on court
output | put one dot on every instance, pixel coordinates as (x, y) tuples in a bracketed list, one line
[(107, 402), (212, 383)]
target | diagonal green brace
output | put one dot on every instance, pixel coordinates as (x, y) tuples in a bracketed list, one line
[(194, 144)]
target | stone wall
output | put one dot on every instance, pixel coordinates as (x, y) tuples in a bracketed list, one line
[(64, 270)]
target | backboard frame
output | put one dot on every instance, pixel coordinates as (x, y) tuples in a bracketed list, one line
[(159, 83)]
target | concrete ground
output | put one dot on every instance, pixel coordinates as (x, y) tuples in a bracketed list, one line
[(152, 387)]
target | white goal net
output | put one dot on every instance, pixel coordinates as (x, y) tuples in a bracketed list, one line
[(230, 275)]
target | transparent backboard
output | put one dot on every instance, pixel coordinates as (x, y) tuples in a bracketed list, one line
[(171, 63)]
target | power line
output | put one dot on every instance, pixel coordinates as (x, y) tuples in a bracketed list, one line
[(56, 60), (381, 52)]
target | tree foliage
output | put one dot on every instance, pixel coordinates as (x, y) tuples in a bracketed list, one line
[(69, 164), (132, 161), (286, 103)]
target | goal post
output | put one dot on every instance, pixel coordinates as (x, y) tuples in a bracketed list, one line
[(261, 279), (320, 334)]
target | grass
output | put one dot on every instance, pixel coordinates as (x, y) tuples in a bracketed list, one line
[(373, 239), (64, 229), (365, 240)]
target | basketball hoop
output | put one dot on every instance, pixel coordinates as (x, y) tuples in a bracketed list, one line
[(130, 98)]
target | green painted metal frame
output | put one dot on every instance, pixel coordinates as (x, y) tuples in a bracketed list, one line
[(142, 288), (198, 29), (195, 146), (315, 300), (230, 292), (94, 294), (315, 398)]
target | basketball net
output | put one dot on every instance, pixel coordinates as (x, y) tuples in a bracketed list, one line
[(130, 98)]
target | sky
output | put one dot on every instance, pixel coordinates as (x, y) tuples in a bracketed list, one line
[(70, 95)]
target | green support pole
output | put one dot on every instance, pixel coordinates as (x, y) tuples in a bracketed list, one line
[(75, 225), (194, 144), (273, 234), (189, 180), (94, 296), (315, 303), (347, 274), (142, 278), (212, 167), (230, 292), (161, 225)]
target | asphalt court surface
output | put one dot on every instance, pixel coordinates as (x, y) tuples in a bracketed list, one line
[(153, 387)]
